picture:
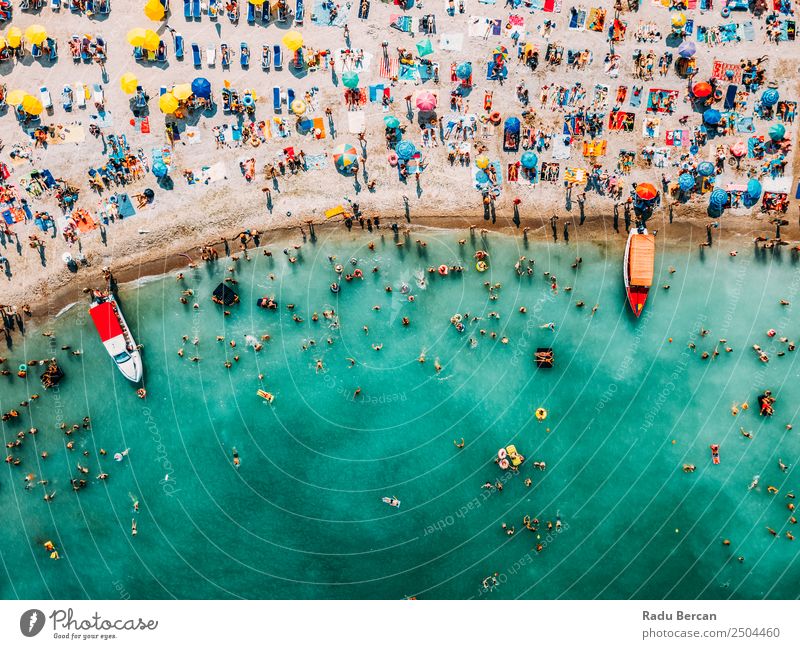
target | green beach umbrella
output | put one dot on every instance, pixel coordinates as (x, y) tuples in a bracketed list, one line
[(350, 80), (425, 47), (391, 121)]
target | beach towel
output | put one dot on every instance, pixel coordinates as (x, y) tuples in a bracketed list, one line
[(451, 42), (636, 98), (651, 127), (730, 96), (745, 125), (575, 176), (729, 32), (478, 26), (124, 206), (481, 180), (674, 137), (493, 77), (749, 31), (514, 25), (102, 119), (661, 157), (389, 67), (316, 162), (401, 22), (356, 122), (321, 14), (561, 148), (214, 173), (752, 142), (720, 71), (577, 19), (657, 100)]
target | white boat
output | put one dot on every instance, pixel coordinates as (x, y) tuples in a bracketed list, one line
[(116, 336), (637, 268)]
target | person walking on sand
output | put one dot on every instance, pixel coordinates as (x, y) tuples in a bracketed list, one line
[(554, 226)]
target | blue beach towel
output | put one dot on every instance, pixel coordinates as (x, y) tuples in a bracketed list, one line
[(749, 31), (124, 206)]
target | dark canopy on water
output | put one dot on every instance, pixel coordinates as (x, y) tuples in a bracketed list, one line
[(226, 295)]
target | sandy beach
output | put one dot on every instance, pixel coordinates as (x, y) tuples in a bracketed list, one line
[(186, 216)]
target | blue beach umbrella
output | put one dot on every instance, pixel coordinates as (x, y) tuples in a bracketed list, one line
[(425, 47), (712, 116), (350, 80), (159, 169), (529, 160), (481, 177), (754, 189), (777, 131), (686, 182), (770, 97), (405, 150), (706, 169), (201, 87), (687, 49), (391, 121), (718, 199), (464, 70)]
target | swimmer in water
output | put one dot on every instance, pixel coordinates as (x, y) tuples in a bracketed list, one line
[(754, 483), (548, 325), (459, 444), (236, 461)]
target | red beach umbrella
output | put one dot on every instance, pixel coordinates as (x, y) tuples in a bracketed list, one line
[(646, 191), (702, 89)]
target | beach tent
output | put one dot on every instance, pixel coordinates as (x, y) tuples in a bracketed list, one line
[(706, 169), (769, 97), (646, 191), (702, 89), (426, 101), (154, 10), (464, 70), (686, 182), (350, 80), (712, 116), (424, 47), (405, 150), (345, 156), (529, 160), (201, 87), (777, 131), (687, 49)]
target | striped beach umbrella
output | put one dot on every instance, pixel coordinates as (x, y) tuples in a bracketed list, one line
[(718, 198), (770, 97), (706, 169), (501, 52), (345, 156), (686, 182)]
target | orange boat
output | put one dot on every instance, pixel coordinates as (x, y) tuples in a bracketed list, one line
[(638, 265)]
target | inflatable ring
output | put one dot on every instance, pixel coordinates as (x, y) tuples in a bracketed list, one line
[(247, 100), (254, 141), (460, 327), (503, 464), (726, 12), (494, 118), (334, 288), (393, 159), (502, 453), (443, 270), (339, 269), (23, 368), (541, 414), (456, 318), (771, 333), (357, 273), (481, 266)]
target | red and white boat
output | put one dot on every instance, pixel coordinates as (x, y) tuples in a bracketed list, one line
[(640, 252), (115, 335)]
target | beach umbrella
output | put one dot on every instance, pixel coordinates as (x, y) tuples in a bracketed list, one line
[(512, 125), (405, 150), (32, 105), (702, 89), (426, 101), (345, 156), (257, 3), (391, 121), (424, 47), (350, 80), (718, 198), (770, 97), (201, 87), (135, 36), (36, 34), (128, 83), (293, 40), (159, 168), (481, 162), (686, 182), (298, 107), (14, 37), (182, 91), (529, 160), (679, 20), (754, 189), (646, 191), (777, 131), (15, 97), (687, 49), (712, 116), (500, 52), (154, 10), (464, 70), (151, 40), (481, 177), (706, 169), (168, 103), (738, 149)]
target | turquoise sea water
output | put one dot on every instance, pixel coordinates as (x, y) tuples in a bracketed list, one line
[(303, 517)]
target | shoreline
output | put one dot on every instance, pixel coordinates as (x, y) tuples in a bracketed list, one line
[(59, 294)]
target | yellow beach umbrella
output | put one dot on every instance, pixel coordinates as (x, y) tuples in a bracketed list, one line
[(128, 83), (154, 10), (36, 34), (298, 107), (14, 36), (168, 103), (151, 40), (293, 40), (257, 3), (182, 91), (481, 162), (136, 36), (679, 20), (15, 97), (32, 105)]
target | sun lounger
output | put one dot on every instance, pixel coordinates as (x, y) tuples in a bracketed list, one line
[(138, 53), (98, 96), (299, 12), (244, 53), (80, 95), (277, 57), (178, 46), (265, 57), (196, 9), (211, 56), (225, 55), (161, 53), (53, 45), (67, 98), (196, 55), (187, 8), (55, 5), (289, 96), (266, 14), (276, 99), (44, 95), (233, 14), (213, 9), (251, 13)]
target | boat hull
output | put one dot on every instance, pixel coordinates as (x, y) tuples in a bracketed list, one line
[(636, 292)]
